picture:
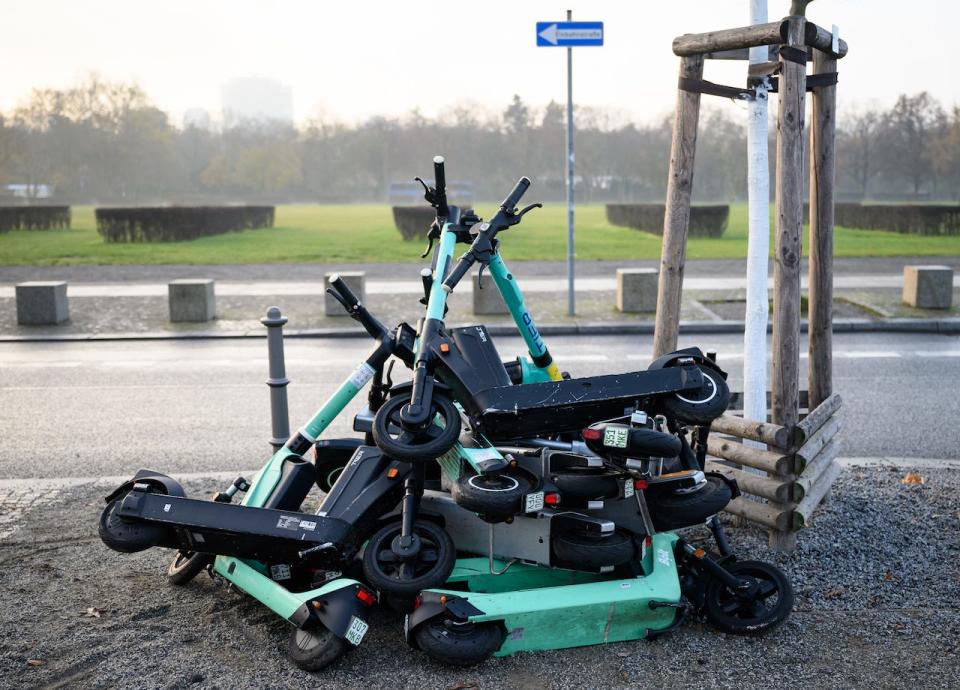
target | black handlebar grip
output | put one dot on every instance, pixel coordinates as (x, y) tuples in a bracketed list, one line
[(336, 282), (460, 270), (514, 197), (439, 176)]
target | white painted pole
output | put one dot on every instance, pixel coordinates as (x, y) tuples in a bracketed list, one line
[(571, 254), (758, 249)]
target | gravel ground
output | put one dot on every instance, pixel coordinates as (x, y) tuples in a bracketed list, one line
[(876, 580)]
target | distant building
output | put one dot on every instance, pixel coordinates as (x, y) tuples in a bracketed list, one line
[(29, 191), (196, 117), (256, 99)]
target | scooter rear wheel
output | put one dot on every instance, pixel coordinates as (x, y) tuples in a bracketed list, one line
[(187, 565), (677, 510), (494, 495), (458, 644), (313, 649), (768, 604), (594, 552)]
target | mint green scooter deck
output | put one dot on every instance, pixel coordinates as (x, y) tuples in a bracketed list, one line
[(546, 608), (248, 578)]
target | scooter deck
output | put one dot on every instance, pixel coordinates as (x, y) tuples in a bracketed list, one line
[(548, 608)]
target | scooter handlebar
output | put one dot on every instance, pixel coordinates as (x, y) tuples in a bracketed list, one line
[(349, 300), (459, 270), (514, 197)]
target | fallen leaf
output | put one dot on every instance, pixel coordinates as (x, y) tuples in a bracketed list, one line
[(463, 686), (94, 612), (913, 479), (35, 662), (834, 593), (888, 576)]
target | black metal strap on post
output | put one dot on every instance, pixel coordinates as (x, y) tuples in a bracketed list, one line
[(711, 89), (814, 81), (796, 55)]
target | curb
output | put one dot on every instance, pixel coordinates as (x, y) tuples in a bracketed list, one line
[(949, 326)]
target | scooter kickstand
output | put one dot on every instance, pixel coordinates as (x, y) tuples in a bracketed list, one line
[(494, 571)]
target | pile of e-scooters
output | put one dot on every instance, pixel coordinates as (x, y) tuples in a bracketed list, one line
[(502, 506)]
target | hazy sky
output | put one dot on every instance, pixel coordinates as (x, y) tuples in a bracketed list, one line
[(353, 59)]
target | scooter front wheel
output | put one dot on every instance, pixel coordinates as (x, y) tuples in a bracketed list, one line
[(765, 605), (420, 445), (701, 406), (456, 643), (313, 649), (186, 565), (393, 574)]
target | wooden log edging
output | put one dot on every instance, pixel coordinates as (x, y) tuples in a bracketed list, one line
[(757, 484), (742, 37), (818, 491), (764, 432), (768, 461), (818, 416)]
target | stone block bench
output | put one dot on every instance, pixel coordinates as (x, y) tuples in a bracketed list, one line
[(637, 289), (42, 303), (928, 287), (488, 300), (191, 300)]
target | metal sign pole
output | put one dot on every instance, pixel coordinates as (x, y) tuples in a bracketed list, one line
[(571, 299)]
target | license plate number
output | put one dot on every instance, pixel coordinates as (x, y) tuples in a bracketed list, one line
[(358, 628)]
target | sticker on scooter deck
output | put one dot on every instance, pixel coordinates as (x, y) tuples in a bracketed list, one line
[(628, 489), (615, 437), (358, 628), (534, 502)]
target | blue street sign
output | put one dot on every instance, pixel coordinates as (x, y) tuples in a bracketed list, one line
[(569, 34)]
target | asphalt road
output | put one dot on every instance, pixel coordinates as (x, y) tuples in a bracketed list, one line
[(107, 408)]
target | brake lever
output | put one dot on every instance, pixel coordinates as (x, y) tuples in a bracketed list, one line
[(429, 193), (527, 209), (480, 276), (426, 252), (343, 303)]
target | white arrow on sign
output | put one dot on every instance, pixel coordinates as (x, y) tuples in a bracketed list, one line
[(552, 34)]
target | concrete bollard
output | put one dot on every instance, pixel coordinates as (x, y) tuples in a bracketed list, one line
[(637, 289), (191, 300), (42, 303), (279, 411), (355, 280), (928, 287), (488, 300)]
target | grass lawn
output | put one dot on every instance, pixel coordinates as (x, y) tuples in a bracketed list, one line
[(361, 233)]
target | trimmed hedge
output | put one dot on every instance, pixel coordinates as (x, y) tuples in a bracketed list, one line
[(34, 217), (413, 222), (705, 221), (176, 223), (913, 219)]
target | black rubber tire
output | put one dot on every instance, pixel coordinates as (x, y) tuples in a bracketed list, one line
[(586, 483), (458, 644), (676, 510), (594, 552), (698, 407), (126, 536), (496, 495), (313, 649), (186, 566), (756, 617), (421, 446), (443, 555)]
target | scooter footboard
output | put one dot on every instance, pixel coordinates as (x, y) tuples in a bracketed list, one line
[(566, 615), (232, 530), (341, 606)]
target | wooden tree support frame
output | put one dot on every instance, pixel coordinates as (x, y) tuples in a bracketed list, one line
[(799, 459), (799, 474)]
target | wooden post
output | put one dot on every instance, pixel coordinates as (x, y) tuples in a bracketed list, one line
[(820, 311), (676, 219), (785, 397)]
